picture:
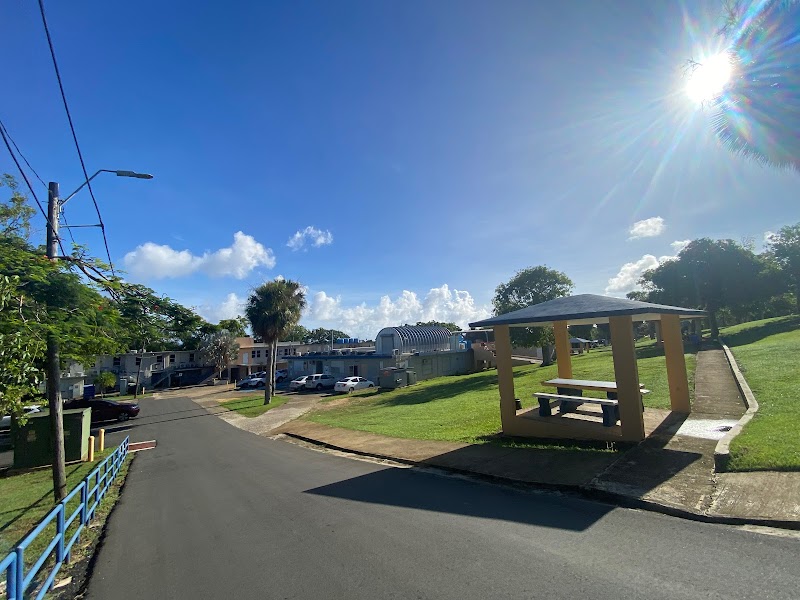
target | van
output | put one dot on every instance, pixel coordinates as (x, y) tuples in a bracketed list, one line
[(320, 381)]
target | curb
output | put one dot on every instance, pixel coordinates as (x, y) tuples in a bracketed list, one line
[(585, 492), (722, 453)]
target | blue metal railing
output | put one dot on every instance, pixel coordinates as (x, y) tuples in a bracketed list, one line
[(91, 490)]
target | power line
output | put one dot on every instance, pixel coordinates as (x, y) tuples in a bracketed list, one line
[(74, 135), (30, 166), (3, 133)]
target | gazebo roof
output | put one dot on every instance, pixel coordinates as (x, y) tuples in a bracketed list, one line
[(586, 309)]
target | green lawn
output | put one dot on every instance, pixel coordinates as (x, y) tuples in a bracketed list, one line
[(466, 408), (768, 353), (252, 405), (26, 498)]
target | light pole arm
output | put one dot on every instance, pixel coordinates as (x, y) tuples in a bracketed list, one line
[(65, 200)]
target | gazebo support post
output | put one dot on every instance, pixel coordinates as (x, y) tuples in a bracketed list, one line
[(676, 364), (563, 350), (505, 376), (626, 373)]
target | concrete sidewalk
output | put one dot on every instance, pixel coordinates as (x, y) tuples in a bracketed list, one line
[(672, 471)]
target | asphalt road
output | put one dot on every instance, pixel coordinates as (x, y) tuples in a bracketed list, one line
[(216, 512)]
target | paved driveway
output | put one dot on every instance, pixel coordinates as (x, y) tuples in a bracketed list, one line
[(217, 512)]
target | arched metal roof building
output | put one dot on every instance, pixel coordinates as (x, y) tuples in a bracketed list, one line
[(409, 339)]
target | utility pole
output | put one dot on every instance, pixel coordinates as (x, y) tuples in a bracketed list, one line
[(53, 368)]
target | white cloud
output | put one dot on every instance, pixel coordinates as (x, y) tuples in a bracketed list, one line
[(679, 245), (230, 308), (152, 261), (316, 237), (647, 228), (627, 280), (364, 321)]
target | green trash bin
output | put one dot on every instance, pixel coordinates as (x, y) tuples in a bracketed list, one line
[(411, 377), (33, 444)]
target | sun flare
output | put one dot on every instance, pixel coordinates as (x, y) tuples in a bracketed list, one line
[(709, 78)]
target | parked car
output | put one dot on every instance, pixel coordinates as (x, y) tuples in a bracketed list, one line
[(5, 421), (320, 381), (104, 409), (281, 375), (298, 383), (348, 384), (245, 383)]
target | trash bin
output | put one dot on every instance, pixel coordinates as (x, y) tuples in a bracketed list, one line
[(411, 377), (88, 392), (33, 445), (392, 378)]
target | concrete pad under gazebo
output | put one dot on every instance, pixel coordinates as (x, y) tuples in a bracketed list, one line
[(587, 309)]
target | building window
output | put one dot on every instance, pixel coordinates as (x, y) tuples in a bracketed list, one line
[(258, 353), (172, 358), (116, 361), (252, 353), (160, 358), (286, 352), (191, 356), (138, 360)]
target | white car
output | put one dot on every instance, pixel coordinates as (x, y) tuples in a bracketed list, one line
[(298, 383), (348, 384), (5, 422), (320, 381)]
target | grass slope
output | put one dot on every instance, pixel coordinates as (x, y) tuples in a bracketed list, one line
[(27, 498), (253, 404), (768, 353), (466, 408)]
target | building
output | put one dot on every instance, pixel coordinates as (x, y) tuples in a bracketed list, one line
[(156, 369), (430, 351), (253, 355)]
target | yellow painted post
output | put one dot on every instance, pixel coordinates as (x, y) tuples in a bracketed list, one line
[(91, 448), (676, 364), (101, 440), (505, 375), (626, 374), (563, 353)]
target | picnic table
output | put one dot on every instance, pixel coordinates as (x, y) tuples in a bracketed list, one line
[(570, 396)]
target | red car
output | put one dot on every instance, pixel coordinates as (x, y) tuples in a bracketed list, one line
[(106, 410)]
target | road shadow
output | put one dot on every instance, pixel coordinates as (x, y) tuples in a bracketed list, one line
[(413, 488)]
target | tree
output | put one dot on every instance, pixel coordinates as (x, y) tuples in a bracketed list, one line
[(758, 113), (297, 333), (533, 285), (21, 352), (219, 348), (236, 326), (321, 335), (273, 309), (452, 327), (708, 274), (16, 214), (785, 247), (105, 380)]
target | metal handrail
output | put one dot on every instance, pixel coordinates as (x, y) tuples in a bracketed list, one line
[(13, 565)]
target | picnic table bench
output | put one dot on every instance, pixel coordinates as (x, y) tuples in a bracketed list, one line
[(570, 396)]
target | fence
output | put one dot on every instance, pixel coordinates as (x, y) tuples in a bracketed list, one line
[(91, 490)]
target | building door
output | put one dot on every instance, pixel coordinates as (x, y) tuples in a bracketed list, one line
[(319, 367)]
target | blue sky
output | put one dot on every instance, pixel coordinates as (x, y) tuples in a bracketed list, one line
[(412, 154)]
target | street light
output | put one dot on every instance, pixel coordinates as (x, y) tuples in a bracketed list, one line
[(117, 173)]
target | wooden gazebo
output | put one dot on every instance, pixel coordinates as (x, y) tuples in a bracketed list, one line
[(620, 314)]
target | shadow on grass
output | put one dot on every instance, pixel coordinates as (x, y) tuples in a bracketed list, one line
[(754, 334)]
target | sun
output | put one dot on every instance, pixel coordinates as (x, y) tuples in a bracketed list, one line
[(709, 78)]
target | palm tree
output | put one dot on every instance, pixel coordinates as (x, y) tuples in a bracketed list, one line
[(758, 113), (273, 308)]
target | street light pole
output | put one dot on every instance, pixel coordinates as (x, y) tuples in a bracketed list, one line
[(53, 361), (53, 367)]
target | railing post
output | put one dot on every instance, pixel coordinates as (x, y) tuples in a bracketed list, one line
[(60, 532), (85, 502), (20, 567)]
